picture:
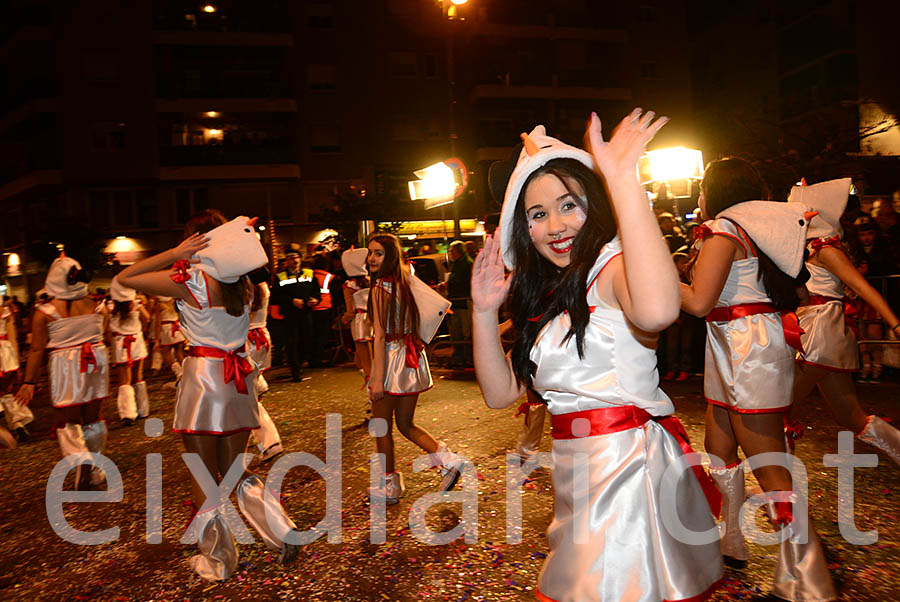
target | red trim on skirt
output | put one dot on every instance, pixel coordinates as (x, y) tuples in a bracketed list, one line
[(829, 368), (743, 411), (410, 393), (223, 433)]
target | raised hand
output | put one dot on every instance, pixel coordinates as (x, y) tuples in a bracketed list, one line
[(490, 284), (190, 245), (618, 158)]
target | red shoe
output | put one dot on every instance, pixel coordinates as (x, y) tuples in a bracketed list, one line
[(669, 375), (682, 376)]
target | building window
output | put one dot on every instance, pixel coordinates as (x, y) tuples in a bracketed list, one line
[(431, 65), (108, 137), (123, 208), (147, 208), (646, 14), (649, 70), (325, 139), (402, 64), (189, 201), (409, 130), (320, 15), (99, 209), (322, 78)]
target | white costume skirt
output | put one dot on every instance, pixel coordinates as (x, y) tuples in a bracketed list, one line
[(261, 356), (361, 327), (9, 360), (69, 385), (169, 334), (207, 405), (401, 379), (749, 366), (614, 544), (120, 351), (828, 341)]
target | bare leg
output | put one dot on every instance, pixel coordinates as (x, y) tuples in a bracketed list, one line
[(179, 352), (839, 391), (805, 378), (167, 354), (364, 357), (761, 433), (720, 439), (228, 448), (384, 409), (137, 371), (405, 413), (124, 374), (90, 412), (206, 447)]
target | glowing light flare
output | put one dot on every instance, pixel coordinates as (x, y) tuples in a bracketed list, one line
[(212, 114), (667, 164), (458, 2), (209, 8), (13, 260), (436, 184)]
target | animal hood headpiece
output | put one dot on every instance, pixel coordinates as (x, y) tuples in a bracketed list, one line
[(234, 250), (829, 199)]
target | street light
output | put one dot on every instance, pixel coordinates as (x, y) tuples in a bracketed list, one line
[(675, 167), (436, 185)]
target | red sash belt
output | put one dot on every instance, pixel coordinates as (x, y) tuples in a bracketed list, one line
[(87, 356), (3, 337), (789, 323), (822, 299), (176, 326), (361, 311), (257, 336), (237, 367), (414, 346), (127, 341), (604, 421)]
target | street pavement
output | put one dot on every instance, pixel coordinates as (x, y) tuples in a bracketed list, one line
[(36, 564)]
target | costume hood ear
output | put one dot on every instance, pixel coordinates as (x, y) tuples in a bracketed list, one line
[(234, 250), (829, 199)]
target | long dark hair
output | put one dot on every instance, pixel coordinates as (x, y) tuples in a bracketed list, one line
[(235, 295), (393, 269), (540, 291), (730, 181), (121, 309)]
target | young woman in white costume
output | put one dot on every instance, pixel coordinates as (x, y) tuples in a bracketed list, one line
[(125, 328), (830, 354), (746, 284), (168, 335), (356, 300), (399, 365), (216, 405), (17, 415), (78, 365), (586, 304), (259, 348)]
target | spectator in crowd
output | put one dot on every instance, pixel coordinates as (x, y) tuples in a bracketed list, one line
[(670, 231), (459, 289), (873, 260), (322, 315), (471, 249), (296, 294)]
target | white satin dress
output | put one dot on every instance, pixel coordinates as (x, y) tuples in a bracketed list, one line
[(749, 366), (828, 341), (9, 359), (361, 326), (259, 345), (615, 546), (401, 378), (127, 336), (205, 403), (78, 363), (170, 326)]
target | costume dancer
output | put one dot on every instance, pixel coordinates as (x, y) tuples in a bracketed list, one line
[(216, 405), (585, 305), (405, 314), (126, 333), (259, 348), (356, 298), (169, 337), (78, 364), (17, 415), (830, 354), (745, 284)]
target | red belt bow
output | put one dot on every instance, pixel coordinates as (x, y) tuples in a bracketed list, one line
[(257, 337), (127, 341), (176, 325), (237, 367), (87, 356), (180, 271), (414, 346), (603, 421), (789, 322)]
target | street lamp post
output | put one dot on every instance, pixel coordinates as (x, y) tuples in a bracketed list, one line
[(449, 9)]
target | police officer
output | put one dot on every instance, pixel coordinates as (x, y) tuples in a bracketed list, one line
[(323, 313), (297, 293)]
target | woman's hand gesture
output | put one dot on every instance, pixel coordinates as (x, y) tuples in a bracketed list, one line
[(490, 284), (617, 159), (190, 245), (25, 394)]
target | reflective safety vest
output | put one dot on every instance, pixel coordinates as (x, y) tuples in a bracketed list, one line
[(324, 279)]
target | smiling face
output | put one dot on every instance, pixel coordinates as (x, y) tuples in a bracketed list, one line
[(375, 257), (554, 216)]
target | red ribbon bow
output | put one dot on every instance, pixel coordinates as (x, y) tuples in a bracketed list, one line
[(702, 231), (257, 337), (820, 243), (237, 367), (87, 356), (127, 340), (414, 345), (526, 405), (179, 273)]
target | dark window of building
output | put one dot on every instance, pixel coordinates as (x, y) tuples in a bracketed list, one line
[(402, 64), (431, 65), (649, 69), (320, 15), (107, 137), (99, 208), (646, 14), (322, 77), (189, 201), (325, 139), (123, 208), (147, 209)]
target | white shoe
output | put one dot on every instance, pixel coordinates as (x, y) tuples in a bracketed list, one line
[(271, 452), (391, 490)]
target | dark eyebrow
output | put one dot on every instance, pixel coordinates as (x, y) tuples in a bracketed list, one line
[(567, 194), (527, 209)]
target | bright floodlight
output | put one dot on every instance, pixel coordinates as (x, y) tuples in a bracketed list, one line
[(671, 164), (458, 2), (209, 8), (435, 184)]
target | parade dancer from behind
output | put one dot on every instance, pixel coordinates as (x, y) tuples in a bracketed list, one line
[(126, 322), (746, 283), (405, 315), (830, 354), (78, 366), (586, 305), (216, 405), (356, 297), (168, 336), (17, 415), (259, 348)]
